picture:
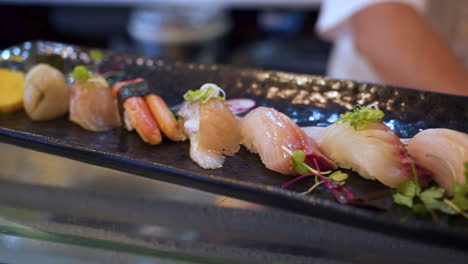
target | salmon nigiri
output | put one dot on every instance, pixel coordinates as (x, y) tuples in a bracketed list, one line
[(210, 126), (267, 132), (91, 103), (443, 152)]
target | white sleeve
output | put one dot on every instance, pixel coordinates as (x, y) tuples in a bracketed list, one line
[(334, 14)]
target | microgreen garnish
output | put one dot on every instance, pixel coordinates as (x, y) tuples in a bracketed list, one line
[(460, 192), (80, 73), (406, 192), (298, 158), (205, 93), (96, 55), (334, 182), (410, 194), (466, 171), (338, 176), (361, 116)]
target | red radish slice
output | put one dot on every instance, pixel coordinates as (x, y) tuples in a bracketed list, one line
[(240, 105)]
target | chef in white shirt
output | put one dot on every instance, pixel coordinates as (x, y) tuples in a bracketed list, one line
[(389, 41)]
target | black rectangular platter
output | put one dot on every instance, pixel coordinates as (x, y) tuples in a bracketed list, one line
[(308, 100)]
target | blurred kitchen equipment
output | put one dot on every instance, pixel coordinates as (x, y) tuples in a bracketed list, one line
[(181, 32)]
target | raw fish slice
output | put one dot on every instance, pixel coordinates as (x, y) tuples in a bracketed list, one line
[(93, 107), (439, 149), (265, 131), (375, 152), (212, 130), (219, 130)]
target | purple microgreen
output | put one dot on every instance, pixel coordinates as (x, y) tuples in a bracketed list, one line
[(334, 183), (311, 189), (297, 179), (298, 160), (341, 194)]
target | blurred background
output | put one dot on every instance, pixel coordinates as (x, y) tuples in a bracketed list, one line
[(268, 34)]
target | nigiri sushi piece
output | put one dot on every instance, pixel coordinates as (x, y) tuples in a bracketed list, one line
[(442, 152), (92, 105), (136, 113), (140, 118), (374, 151), (210, 126), (157, 115), (165, 118), (266, 131)]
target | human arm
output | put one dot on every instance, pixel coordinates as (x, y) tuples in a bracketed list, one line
[(404, 50)]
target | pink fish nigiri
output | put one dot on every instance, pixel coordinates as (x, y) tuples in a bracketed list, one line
[(443, 152), (213, 132), (92, 105), (266, 131), (375, 152)]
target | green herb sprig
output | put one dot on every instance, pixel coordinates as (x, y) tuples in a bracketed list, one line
[(410, 194), (80, 73), (96, 55), (205, 93), (460, 193), (361, 116), (86, 79)]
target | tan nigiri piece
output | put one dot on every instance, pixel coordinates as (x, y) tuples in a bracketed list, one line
[(266, 131), (211, 128), (443, 152), (46, 94), (375, 152)]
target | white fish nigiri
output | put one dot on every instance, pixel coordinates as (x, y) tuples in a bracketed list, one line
[(443, 152), (375, 152), (212, 129), (266, 131)]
